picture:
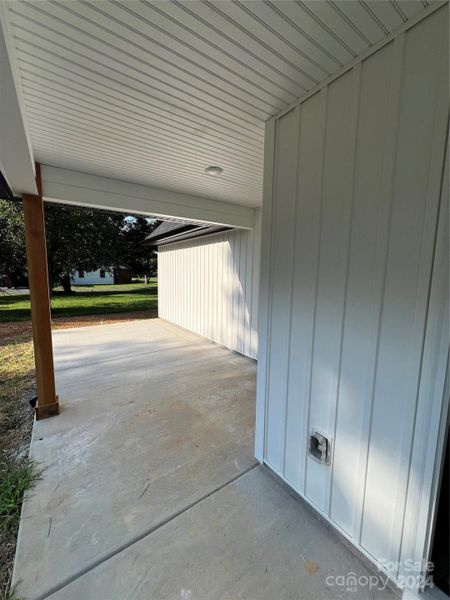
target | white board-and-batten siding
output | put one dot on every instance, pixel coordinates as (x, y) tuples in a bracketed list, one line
[(350, 214), (208, 285)]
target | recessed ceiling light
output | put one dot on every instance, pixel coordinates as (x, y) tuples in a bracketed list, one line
[(213, 170)]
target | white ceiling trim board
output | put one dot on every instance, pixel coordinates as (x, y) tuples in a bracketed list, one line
[(71, 187)]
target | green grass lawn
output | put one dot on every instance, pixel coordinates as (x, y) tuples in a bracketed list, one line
[(86, 300)]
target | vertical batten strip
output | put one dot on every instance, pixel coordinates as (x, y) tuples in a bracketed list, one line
[(231, 288), (386, 198), (423, 489), (308, 231), (323, 137), (236, 290), (407, 283), (265, 278), (332, 274), (298, 129), (430, 225), (249, 304), (283, 227), (354, 368), (349, 193), (244, 291)]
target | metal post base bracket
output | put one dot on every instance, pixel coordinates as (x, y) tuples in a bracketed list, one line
[(47, 410)]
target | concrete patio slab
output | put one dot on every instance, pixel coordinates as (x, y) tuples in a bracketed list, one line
[(150, 489), (251, 540), (153, 418)]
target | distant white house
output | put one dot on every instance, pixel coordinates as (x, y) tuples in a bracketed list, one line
[(102, 276), (98, 277)]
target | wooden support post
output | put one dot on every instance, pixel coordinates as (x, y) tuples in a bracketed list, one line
[(47, 400)]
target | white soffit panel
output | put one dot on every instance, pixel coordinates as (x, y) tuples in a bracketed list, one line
[(154, 92)]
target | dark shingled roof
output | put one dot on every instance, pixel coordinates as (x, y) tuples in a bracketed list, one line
[(164, 228), (174, 230)]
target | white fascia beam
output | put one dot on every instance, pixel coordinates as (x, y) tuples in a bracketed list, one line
[(82, 189), (16, 157)]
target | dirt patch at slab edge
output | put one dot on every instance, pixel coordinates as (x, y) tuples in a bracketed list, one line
[(16, 329)]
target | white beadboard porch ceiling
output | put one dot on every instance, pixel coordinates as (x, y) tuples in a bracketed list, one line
[(154, 92)]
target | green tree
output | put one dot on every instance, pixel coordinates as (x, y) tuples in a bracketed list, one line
[(77, 239), (81, 239), (139, 258), (12, 243)]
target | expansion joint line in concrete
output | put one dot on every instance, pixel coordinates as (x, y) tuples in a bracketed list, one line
[(114, 358), (68, 580)]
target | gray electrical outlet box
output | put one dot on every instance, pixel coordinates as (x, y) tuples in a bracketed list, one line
[(320, 447)]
